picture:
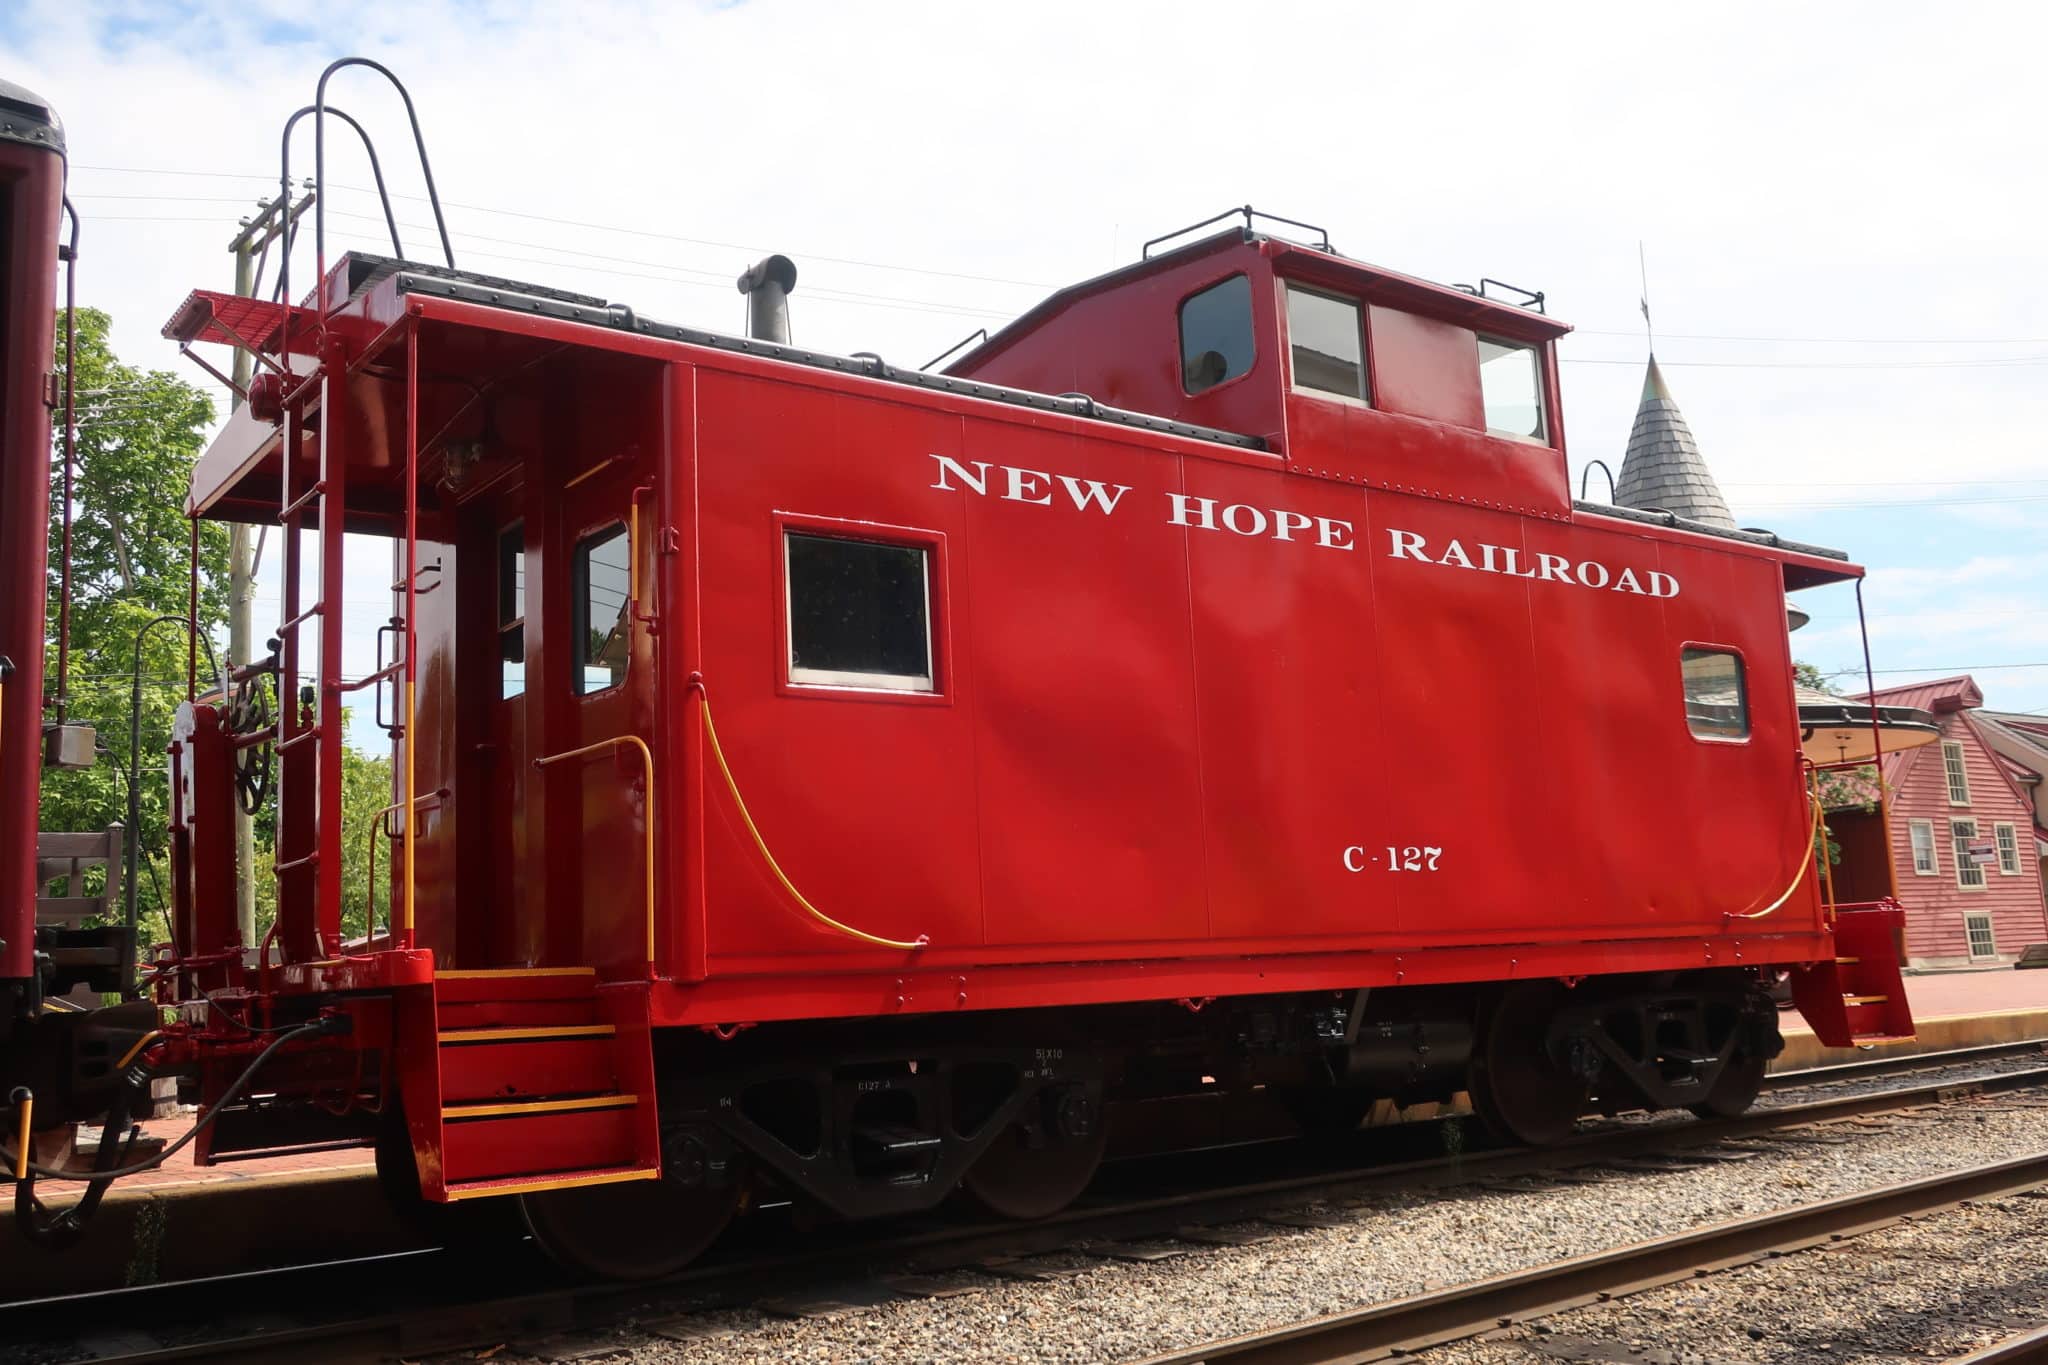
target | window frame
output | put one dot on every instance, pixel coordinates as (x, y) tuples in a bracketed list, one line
[(579, 607), (1742, 680), (937, 616), (1990, 932), (1933, 868), (511, 529), (1959, 845), (1359, 305), (1251, 365), (2006, 835), (1543, 417), (1961, 773)]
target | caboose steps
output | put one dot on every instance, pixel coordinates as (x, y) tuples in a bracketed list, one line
[(540, 1088), (1859, 997)]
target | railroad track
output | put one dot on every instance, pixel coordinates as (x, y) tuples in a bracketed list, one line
[(442, 1299), (1412, 1324)]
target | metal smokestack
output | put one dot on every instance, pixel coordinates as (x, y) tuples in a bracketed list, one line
[(767, 285)]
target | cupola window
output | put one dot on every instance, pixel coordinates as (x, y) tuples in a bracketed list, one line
[(1511, 385), (1216, 334), (1326, 344)]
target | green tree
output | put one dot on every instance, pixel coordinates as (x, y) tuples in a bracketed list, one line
[(365, 793), (139, 432)]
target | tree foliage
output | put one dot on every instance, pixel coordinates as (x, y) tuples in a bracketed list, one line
[(139, 432)]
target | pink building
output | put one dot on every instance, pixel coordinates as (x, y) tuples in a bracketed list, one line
[(1966, 839)]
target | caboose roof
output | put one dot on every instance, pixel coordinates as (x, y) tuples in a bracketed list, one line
[(1292, 259)]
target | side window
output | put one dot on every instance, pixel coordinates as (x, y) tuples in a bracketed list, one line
[(1326, 344), (1956, 771), (602, 630), (1924, 858), (512, 608), (1216, 334), (1969, 872), (1716, 698), (859, 613), (1511, 387)]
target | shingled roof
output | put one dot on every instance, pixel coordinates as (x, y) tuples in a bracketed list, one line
[(1663, 468)]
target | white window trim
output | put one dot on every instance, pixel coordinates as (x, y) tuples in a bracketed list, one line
[(1933, 849), (1963, 859), (1970, 947), (843, 679), (1542, 437), (2013, 839), (1357, 306), (1962, 771)]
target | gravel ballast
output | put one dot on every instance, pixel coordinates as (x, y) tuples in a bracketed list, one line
[(1083, 1308)]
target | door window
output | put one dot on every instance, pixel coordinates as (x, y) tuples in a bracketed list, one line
[(603, 606), (512, 608)]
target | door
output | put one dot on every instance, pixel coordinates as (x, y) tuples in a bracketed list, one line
[(512, 929)]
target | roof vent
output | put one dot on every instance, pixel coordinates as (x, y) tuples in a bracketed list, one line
[(767, 284)]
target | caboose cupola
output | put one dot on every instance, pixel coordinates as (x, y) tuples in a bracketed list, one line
[(1347, 371)]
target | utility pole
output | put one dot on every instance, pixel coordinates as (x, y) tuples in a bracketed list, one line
[(271, 221)]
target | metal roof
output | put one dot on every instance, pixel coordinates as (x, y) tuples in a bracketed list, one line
[(1663, 468)]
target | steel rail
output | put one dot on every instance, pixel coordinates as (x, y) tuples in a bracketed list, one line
[(1892, 1066), (1433, 1319), (484, 1320), (2028, 1348)]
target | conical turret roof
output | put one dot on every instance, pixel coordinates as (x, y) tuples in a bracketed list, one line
[(1663, 468)]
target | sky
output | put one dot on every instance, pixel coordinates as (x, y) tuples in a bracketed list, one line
[(1837, 209)]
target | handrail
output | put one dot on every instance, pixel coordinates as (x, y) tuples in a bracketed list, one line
[(739, 802), (1799, 877), (647, 770)]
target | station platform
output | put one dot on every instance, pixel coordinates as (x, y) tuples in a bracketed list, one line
[(182, 1221), (1974, 1007)]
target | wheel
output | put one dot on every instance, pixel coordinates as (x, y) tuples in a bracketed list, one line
[(1735, 1089), (1040, 1166), (1519, 1093), (630, 1230)]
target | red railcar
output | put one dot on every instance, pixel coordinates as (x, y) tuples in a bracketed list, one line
[(853, 779)]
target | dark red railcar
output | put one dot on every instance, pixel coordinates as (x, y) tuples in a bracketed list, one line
[(826, 775)]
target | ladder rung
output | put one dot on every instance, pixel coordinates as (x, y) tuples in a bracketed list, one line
[(298, 504), (311, 732), (308, 614), (371, 679)]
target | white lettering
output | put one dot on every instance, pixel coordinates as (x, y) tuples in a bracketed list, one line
[(1625, 581), (979, 483), (1349, 865), (1512, 565), (1587, 568), (1231, 519), (1205, 510), (1337, 535), (1662, 585), (1097, 493), (1553, 566), (1286, 523), (1407, 545), (1454, 553), (1020, 491)]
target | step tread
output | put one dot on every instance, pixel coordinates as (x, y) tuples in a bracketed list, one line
[(512, 1109), (1849, 999), (549, 1180), (526, 1033)]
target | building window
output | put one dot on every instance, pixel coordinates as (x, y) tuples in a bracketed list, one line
[(1969, 872), (1716, 700), (1958, 775), (2008, 837), (1216, 334), (859, 613), (512, 609), (603, 628), (1983, 942), (1326, 344), (1511, 386), (1925, 862)]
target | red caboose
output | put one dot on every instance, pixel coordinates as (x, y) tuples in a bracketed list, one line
[(853, 779)]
